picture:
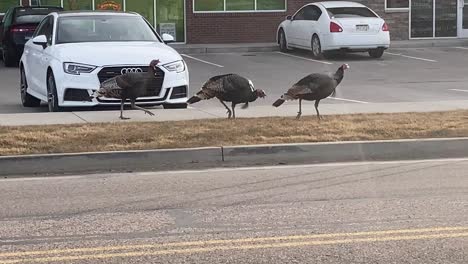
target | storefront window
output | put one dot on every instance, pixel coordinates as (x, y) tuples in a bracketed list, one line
[(446, 18), (142, 7), (397, 4), (209, 5), (116, 5), (5, 4), (240, 5), (78, 5), (170, 18), (271, 5)]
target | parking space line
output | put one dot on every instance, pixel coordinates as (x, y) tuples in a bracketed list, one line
[(204, 61), (459, 90), (410, 57), (348, 100), (307, 59), (463, 48)]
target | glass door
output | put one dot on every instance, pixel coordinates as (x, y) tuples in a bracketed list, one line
[(463, 19), (170, 18), (433, 18)]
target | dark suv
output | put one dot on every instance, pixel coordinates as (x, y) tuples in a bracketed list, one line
[(17, 27)]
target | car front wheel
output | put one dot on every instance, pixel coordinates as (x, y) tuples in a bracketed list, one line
[(52, 98), (26, 99), (376, 53), (283, 42)]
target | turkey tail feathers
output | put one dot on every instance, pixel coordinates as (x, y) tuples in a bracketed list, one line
[(194, 99), (278, 102)]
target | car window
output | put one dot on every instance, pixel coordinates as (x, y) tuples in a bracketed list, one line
[(103, 28), (32, 15), (347, 12), (299, 15), (46, 28), (312, 13)]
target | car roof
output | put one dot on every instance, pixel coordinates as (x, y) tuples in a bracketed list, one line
[(36, 7), (332, 4), (95, 13)]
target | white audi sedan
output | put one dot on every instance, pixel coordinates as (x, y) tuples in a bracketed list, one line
[(71, 53), (328, 26)]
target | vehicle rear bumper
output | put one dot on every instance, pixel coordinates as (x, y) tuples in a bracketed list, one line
[(356, 42)]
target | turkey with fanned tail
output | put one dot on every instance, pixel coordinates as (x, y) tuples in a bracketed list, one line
[(229, 88)]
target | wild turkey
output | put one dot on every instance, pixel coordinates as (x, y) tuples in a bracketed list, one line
[(313, 87), (129, 86), (230, 88)]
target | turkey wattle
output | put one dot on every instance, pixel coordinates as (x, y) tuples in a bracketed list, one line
[(229, 88), (313, 87), (129, 86)]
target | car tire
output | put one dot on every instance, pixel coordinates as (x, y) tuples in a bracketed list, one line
[(283, 44), (52, 97), (9, 60), (376, 53), (175, 106), (27, 100), (316, 47)]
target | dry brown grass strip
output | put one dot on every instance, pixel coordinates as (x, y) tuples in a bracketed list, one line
[(201, 133)]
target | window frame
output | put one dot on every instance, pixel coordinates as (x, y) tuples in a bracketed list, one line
[(240, 11), (396, 9), (4, 13)]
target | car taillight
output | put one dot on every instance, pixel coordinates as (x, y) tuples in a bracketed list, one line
[(334, 27), (385, 27), (22, 29)]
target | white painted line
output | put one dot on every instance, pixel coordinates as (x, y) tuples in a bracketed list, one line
[(299, 57), (459, 90), (200, 60), (463, 48), (410, 57), (348, 100)]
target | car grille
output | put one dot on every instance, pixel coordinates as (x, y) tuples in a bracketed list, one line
[(139, 99), (111, 72), (79, 95), (179, 92)]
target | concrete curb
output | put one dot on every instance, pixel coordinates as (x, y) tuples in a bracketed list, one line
[(160, 160)]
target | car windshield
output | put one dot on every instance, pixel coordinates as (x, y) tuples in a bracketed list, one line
[(105, 28), (348, 12), (32, 15)]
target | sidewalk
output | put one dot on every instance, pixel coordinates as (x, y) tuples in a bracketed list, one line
[(266, 47), (287, 110)]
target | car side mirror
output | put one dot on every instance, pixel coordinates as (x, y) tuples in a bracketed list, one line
[(289, 18), (40, 40), (167, 38)]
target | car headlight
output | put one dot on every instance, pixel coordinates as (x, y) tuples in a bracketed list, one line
[(177, 66), (77, 68)]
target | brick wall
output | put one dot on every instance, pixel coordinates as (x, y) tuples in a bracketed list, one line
[(261, 27)]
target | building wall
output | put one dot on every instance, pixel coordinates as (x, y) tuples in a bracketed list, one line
[(261, 27)]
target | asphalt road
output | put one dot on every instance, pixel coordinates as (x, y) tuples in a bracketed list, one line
[(402, 75), (395, 212)]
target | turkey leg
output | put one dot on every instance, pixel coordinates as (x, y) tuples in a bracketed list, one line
[(228, 110), (122, 101), (134, 106), (300, 109), (316, 109), (233, 105)]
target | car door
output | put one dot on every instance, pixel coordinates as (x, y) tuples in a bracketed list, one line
[(37, 57), (309, 25), (291, 30)]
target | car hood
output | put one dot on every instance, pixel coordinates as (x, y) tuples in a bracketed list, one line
[(116, 53)]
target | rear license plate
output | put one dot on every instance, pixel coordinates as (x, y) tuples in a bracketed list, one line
[(362, 27)]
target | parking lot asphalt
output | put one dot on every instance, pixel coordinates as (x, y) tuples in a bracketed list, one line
[(403, 75)]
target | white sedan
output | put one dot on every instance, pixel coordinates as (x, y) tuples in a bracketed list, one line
[(334, 26), (71, 53)]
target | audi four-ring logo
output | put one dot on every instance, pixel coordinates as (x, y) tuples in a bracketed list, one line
[(127, 70)]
